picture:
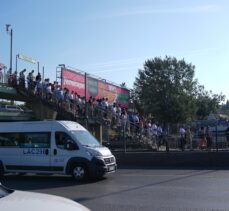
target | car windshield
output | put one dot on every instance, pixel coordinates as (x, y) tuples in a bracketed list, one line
[(85, 138), (3, 192)]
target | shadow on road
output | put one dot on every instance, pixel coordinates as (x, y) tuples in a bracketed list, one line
[(128, 190), (35, 182)]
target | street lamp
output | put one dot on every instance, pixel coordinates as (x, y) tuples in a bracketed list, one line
[(9, 31), (61, 65)]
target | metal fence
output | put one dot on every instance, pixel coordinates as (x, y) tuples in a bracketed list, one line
[(218, 141), (123, 134)]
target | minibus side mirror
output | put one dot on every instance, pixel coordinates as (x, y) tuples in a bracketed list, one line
[(70, 145)]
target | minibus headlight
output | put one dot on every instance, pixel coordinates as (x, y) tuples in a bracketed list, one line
[(94, 154), (89, 153)]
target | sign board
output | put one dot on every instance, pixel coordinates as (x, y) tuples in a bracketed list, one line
[(97, 88), (26, 58)]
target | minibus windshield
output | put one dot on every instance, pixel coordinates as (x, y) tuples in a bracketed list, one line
[(85, 138)]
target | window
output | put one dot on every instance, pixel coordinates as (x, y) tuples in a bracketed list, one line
[(25, 140), (35, 140), (3, 192), (85, 138), (63, 139), (9, 139)]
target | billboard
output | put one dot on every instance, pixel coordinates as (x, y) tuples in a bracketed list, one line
[(97, 88)]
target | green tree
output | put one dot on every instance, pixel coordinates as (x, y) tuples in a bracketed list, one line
[(165, 87), (224, 108), (207, 102)]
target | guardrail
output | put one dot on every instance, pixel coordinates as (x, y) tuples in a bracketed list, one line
[(122, 134)]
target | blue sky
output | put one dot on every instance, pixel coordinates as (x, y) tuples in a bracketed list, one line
[(112, 39)]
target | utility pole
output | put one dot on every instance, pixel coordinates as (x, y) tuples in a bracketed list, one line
[(9, 31)]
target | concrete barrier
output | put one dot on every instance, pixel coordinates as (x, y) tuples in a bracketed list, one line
[(219, 160)]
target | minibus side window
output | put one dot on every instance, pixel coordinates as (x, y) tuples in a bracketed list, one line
[(35, 140), (63, 141), (9, 140)]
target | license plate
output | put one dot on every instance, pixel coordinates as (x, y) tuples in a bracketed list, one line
[(111, 168)]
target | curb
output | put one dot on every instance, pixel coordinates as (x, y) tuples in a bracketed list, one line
[(219, 160)]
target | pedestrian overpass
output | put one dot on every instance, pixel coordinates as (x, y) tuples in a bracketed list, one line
[(41, 108), (10, 93), (46, 110)]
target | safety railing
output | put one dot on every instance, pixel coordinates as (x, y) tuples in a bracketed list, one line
[(123, 134)]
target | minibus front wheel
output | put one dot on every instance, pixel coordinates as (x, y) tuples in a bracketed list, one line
[(79, 172)]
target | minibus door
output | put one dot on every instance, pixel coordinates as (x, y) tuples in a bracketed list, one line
[(62, 150)]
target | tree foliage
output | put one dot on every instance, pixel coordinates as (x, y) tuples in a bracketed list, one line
[(207, 102), (224, 109), (166, 88)]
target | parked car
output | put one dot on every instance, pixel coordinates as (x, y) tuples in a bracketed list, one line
[(12, 200), (11, 108)]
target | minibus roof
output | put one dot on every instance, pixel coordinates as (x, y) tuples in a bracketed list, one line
[(46, 125)]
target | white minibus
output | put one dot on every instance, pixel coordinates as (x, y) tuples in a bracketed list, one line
[(53, 147)]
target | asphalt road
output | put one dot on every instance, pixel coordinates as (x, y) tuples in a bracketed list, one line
[(137, 189)]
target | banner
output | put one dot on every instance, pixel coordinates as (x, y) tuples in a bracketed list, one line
[(26, 58), (97, 88)]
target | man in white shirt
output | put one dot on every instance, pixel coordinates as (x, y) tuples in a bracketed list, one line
[(182, 138), (154, 135), (154, 129)]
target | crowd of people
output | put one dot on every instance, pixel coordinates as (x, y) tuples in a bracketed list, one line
[(117, 117), (128, 123), (204, 134)]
